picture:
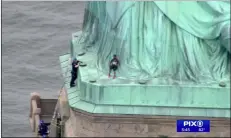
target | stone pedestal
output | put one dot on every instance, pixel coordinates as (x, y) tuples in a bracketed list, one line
[(125, 108), (82, 124)]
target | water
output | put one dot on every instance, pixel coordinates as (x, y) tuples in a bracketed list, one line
[(34, 35)]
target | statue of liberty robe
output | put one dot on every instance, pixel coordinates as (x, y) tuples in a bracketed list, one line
[(185, 41)]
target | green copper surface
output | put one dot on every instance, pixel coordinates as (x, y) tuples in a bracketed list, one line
[(182, 50), (126, 97), (186, 41)]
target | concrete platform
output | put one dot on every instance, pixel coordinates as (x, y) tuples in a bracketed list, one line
[(157, 97)]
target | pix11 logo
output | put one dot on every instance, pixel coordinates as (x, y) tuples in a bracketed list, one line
[(193, 125)]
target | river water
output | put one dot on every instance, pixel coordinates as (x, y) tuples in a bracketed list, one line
[(34, 35)]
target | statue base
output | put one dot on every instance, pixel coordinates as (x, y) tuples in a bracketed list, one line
[(83, 124), (96, 93), (105, 107)]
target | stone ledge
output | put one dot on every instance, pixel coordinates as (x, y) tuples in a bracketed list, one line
[(126, 92), (101, 125), (147, 119), (105, 99)]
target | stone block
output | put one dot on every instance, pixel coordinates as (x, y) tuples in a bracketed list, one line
[(98, 125)]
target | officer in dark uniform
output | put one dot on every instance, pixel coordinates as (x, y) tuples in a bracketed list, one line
[(43, 128), (113, 65), (74, 72)]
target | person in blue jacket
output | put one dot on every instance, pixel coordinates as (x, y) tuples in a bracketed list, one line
[(43, 129)]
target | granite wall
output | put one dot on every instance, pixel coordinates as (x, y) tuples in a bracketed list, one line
[(82, 124)]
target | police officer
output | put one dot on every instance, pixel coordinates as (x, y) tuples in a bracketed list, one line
[(43, 128), (74, 72)]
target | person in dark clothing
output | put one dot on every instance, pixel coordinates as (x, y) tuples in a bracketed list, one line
[(74, 72), (113, 65), (43, 128)]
